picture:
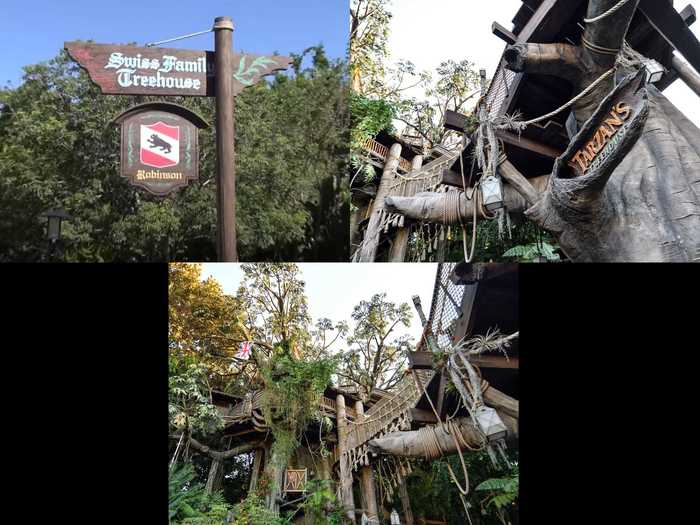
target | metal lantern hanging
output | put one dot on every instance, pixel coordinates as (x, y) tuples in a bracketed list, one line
[(395, 517), (654, 71), (492, 192), (490, 423)]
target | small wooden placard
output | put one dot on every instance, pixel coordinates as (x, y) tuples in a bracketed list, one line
[(295, 480)]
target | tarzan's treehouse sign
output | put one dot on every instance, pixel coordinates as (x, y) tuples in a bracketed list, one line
[(161, 139)]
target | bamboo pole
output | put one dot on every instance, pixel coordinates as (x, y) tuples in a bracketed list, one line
[(368, 251), (367, 485), (398, 249), (345, 470)]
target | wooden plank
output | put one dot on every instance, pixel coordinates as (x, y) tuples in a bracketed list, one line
[(528, 144), (689, 17), (496, 361), (441, 393), (455, 121), (466, 321), (450, 178), (502, 33), (422, 416), (669, 23)]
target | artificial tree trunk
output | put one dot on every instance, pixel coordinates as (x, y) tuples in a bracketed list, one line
[(412, 443), (642, 206)]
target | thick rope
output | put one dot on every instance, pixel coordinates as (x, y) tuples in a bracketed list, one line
[(614, 9), (517, 125)]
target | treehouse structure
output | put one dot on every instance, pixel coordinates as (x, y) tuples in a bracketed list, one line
[(567, 65), (368, 449)]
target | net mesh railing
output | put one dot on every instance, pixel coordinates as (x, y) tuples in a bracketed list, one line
[(446, 306)]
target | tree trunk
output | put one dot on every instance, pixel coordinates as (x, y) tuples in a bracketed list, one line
[(347, 497), (405, 502), (400, 241), (417, 444), (369, 492), (275, 473), (255, 470), (368, 249), (216, 476)]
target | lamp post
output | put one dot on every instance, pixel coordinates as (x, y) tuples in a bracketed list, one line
[(54, 220)]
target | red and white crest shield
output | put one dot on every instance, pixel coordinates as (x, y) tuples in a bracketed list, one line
[(160, 145)]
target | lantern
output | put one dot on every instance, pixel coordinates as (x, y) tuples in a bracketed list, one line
[(490, 423), (395, 517), (654, 71), (492, 192), (54, 220)]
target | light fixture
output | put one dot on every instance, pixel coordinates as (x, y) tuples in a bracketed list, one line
[(492, 192), (54, 220), (490, 423), (654, 71), (395, 517)]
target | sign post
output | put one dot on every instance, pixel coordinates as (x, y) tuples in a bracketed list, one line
[(223, 74), (225, 136)]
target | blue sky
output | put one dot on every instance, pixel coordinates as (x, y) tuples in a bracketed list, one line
[(34, 30)]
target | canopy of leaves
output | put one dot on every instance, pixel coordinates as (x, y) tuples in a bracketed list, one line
[(376, 356), (59, 148)]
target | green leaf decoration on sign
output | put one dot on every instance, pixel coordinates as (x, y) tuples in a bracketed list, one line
[(246, 76)]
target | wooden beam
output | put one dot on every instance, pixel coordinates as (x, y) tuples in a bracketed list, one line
[(496, 361), (544, 24), (528, 144), (502, 33), (441, 393), (455, 121), (450, 178), (689, 17), (423, 416), (669, 23)]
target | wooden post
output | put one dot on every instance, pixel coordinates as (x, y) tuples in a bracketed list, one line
[(225, 160), (405, 502), (255, 470), (686, 73), (398, 249), (368, 250), (215, 477), (345, 471), (367, 477)]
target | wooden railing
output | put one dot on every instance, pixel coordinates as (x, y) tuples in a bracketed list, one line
[(380, 150)]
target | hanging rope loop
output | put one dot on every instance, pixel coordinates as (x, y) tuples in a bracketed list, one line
[(614, 9)]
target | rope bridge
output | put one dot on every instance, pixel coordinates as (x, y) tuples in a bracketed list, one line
[(387, 415)]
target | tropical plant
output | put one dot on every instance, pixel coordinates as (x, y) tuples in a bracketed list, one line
[(502, 493), (533, 252), (188, 502)]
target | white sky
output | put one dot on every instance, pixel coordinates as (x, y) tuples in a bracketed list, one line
[(333, 289), (429, 32)]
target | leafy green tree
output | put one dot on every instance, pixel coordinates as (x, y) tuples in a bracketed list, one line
[(376, 356), (59, 148)]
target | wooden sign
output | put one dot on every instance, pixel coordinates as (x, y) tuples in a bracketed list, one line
[(295, 480), (610, 133), (159, 146), (131, 70)]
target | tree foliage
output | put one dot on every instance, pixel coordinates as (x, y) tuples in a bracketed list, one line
[(58, 148), (376, 356)]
